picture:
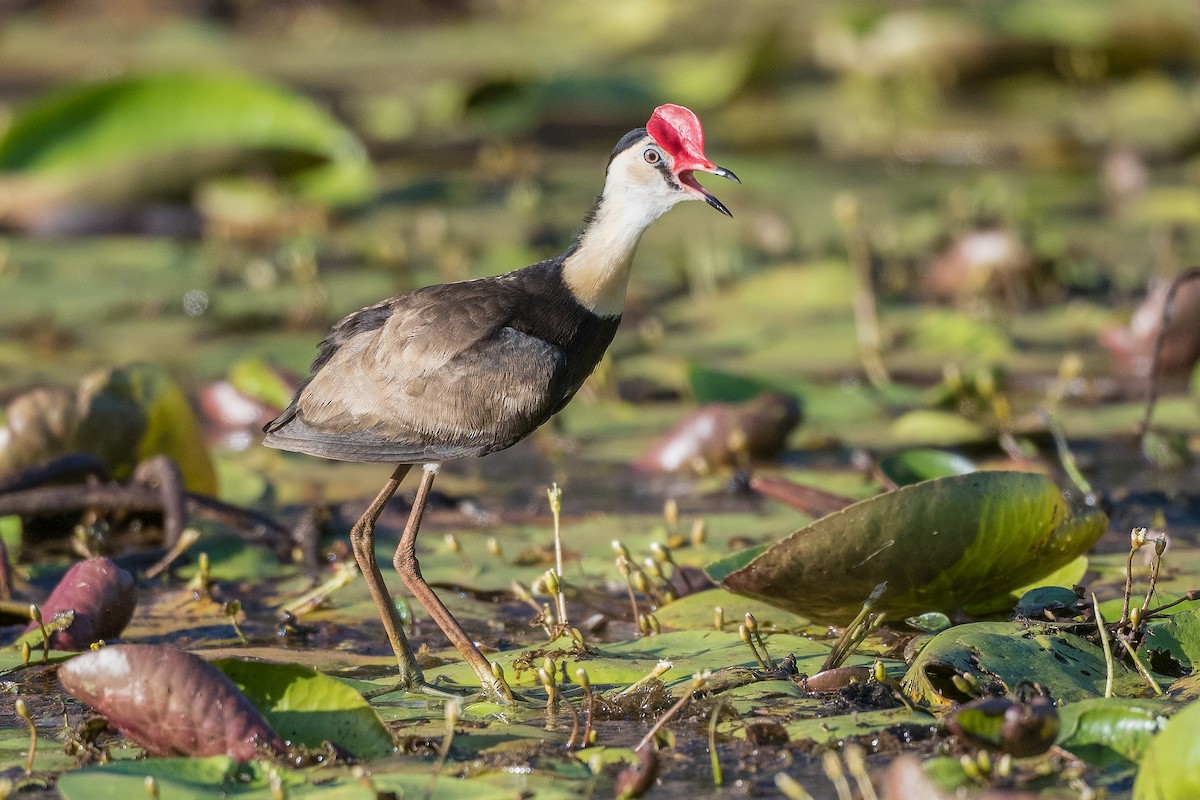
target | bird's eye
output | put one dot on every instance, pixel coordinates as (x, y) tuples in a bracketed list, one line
[(652, 156)]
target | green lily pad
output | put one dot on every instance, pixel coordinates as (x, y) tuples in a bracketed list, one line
[(1069, 667), (930, 426), (697, 612), (180, 778), (1170, 769), (924, 463), (89, 139), (940, 545), (306, 706), (1110, 731), (715, 386), (1179, 636), (257, 378)]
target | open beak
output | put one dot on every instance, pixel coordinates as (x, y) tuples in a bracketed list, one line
[(688, 179)]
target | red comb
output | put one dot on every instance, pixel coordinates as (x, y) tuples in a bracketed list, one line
[(677, 130)]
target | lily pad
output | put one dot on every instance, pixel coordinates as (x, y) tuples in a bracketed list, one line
[(306, 706), (1110, 731), (102, 596), (1067, 666), (924, 463), (939, 545), (715, 386), (1170, 769), (1178, 636), (87, 140), (169, 702), (179, 778)]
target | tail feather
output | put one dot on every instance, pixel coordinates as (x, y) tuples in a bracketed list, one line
[(289, 432)]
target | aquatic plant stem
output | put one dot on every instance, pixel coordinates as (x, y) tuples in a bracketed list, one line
[(23, 712), (555, 493), (712, 742), (1160, 547), (453, 711), (1065, 456), (1108, 658), (856, 631), (1141, 668)]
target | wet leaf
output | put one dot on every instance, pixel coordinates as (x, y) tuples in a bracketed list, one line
[(929, 426), (306, 706), (103, 597), (715, 386), (1179, 636), (939, 545), (930, 622), (185, 124), (262, 381), (1170, 768), (169, 701), (1112, 731), (697, 612), (1047, 602), (1067, 666), (922, 464), (177, 778)]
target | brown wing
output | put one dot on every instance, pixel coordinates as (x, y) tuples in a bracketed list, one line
[(440, 377)]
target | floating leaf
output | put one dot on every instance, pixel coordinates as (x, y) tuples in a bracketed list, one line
[(262, 381), (1170, 769), (929, 426), (1110, 731), (1048, 602), (930, 622), (176, 778), (91, 140), (714, 386), (103, 597), (169, 702), (939, 545), (922, 464), (1178, 636), (1067, 666), (306, 706)]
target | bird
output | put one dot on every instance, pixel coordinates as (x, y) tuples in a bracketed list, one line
[(464, 369)]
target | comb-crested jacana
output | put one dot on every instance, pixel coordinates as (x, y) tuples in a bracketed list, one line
[(469, 368)]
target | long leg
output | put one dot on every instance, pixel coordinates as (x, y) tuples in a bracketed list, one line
[(409, 568), (362, 542)]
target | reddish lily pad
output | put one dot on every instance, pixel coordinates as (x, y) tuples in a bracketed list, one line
[(103, 597), (939, 545), (170, 702)]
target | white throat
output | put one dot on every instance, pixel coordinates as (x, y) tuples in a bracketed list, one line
[(635, 194)]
